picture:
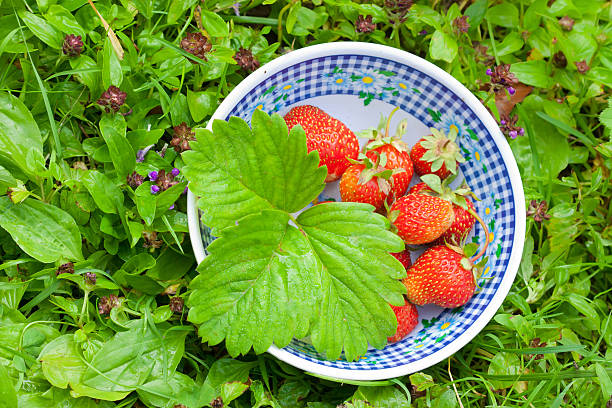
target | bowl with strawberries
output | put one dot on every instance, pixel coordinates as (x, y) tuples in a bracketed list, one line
[(399, 134)]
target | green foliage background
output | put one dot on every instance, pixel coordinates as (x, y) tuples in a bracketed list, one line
[(66, 160)]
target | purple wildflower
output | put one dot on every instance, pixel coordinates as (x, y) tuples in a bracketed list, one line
[(155, 189), (511, 90), (175, 172), (153, 175), (489, 71), (140, 155)]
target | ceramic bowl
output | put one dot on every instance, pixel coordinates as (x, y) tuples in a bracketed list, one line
[(356, 82)]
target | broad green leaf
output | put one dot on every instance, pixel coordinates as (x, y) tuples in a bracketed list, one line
[(8, 396), (111, 68), (382, 397), (131, 357), (19, 134), (604, 381), (510, 44), (201, 104), (63, 367), (6, 180), (41, 230), (146, 202), (505, 364), (605, 117), (214, 24), (64, 21), (154, 392), (443, 46), (177, 9), (536, 73), (237, 171), (232, 390), (42, 29), (292, 392), (505, 14), (86, 71), (113, 128), (584, 306), (106, 194), (257, 286), (358, 278)]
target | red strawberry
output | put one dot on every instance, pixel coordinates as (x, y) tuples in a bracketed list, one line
[(420, 218), (331, 138), (407, 319), (464, 221), (371, 183), (441, 276), (404, 258), (436, 154)]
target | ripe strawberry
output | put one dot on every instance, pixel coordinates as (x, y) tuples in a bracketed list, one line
[(421, 218), (404, 258), (441, 276), (436, 154), (464, 221), (407, 319), (371, 183), (331, 138)]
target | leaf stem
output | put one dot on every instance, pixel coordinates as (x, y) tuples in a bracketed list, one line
[(487, 236), (280, 22), (83, 308), (389, 121)]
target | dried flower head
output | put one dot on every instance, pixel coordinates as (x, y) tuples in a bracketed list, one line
[(150, 240), (142, 153), (197, 45), (538, 210), (164, 180), (501, 76), (73, 45), (461, 24), (566, 23), (107, 303), (509, 128), (90, 278), (182, 136), (176, 304), (480, 52), (582, 66), (245, 60), (559, 59), (217, 403), (112, 99), (179, 406), (134, 180), (364, 24), (397, 10), (68, 267), (535, 343)]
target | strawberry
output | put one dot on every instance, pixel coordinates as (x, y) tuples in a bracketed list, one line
[(407, 319), (331, 138), (442, 276), (462, 206), (404, 258), (371, 183), (437, 154), (395, 150), (420, 218)]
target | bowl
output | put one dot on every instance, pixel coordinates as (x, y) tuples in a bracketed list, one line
[(356, 83)]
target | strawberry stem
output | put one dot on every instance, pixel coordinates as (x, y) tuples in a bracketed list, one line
[(389, 122), (487, 236)]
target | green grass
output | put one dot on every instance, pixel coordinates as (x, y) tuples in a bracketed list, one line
[(547, 346)]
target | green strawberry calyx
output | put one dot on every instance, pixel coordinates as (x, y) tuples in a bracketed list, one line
[(467, 260), (376, 169), (442, 149), (443, 190), (379, 136)]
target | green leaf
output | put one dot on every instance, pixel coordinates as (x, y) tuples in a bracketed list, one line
[(232, 390), (41, 230), (584, 306), (510, 44), (106, 194), (154, 392), (201, 104), (131, 357), (504, 15), (605, 117), (252, 289), (504, 364), (43, 30), (8, 396), (113, 128), (382, 397), (63, 366), (64, 21), (443, 46), (214, 24), (19, 135), (237, 171), (177, 9), (536, 73), (111, 68), (353, 246)]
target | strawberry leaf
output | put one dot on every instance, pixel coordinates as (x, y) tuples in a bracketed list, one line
[(358, 279), (237, 171)]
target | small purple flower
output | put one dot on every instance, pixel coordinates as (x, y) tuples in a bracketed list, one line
[(171, 207), (153, 175), (521, 132), (511, 90), (175, 172), (154, 189), (423, 32), (140, 155), (236, 7), (90, 278), (185, 190), (503, 122), (513, 134), (489, 71)]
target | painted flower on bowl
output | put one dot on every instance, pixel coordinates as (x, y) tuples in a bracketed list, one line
[(337, 80), (450, 121), (369, 81)]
